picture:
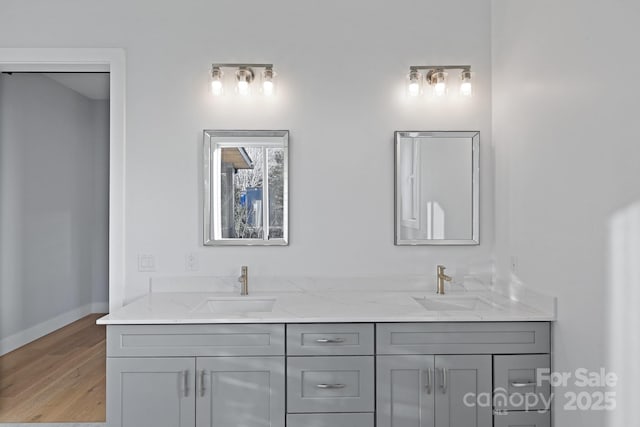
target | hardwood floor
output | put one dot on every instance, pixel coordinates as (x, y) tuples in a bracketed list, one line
[(57, 378)]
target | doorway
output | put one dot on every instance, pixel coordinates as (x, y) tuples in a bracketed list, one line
[(54, 245), (88, 60)]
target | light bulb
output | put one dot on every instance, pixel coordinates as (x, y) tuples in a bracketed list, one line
[(244, 77), (267, 82), (216, 87), (466, 88), (267, 88), (413, 88), (243, 88), (438, 80), (216, 82)]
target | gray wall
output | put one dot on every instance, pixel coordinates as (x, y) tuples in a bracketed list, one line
[(54, 146), (342, 68), (565, 106)]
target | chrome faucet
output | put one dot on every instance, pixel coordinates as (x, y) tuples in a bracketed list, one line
[(244, 280), (441, 279)]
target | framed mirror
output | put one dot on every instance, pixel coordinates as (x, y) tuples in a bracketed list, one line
[(246, 187), (437, 186)]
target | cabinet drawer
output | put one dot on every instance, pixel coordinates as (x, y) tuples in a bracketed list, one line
[(195, 340), (330, 384), (330, 420), (522, 419), (515, 386), (462, 338), (329, 339)]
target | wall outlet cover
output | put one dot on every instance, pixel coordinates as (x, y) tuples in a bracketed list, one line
[(146, 262), (192, 262)]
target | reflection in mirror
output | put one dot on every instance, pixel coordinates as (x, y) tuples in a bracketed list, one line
[(437, 188), (245, 186)]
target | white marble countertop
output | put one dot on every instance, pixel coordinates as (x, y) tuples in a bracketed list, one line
[(314, 301)]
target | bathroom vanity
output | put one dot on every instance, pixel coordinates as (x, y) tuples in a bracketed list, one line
[(241, 369)]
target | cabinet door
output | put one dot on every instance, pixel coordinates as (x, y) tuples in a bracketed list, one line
[(151, 392), (461, 381), (405, 390), (240, 391)]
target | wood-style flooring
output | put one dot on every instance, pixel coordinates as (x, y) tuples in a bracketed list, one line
[(57, 378)]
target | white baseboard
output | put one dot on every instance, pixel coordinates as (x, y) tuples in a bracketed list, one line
[(21, 338)]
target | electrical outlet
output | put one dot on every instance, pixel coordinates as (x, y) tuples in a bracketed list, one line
[(146, 262), (191, 262)]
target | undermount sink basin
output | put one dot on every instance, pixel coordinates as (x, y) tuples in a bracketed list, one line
[(236, 305), (455, 303)]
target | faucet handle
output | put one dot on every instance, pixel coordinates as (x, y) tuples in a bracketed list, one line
[(441, 275)]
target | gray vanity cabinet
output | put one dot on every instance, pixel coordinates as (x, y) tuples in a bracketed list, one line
[(195, 376), (443, 374), (331, 375), (427, 390), (151, 392)]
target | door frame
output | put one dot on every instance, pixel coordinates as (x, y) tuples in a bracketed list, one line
[(111, 60)]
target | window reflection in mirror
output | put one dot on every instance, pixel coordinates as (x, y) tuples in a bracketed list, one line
[(245, 187), (437, 186)]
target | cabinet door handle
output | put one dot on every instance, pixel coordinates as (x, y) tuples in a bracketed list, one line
[(330, 386), (443, 386), (185, 383), (429, 380), (330, 340), (520, 384), (203, 387)]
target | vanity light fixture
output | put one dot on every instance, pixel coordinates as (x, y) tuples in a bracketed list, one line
[(436, 78), (244, 77)]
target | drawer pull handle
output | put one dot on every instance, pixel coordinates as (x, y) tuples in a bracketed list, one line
[(520, 384), (330, 386), (330, 340)]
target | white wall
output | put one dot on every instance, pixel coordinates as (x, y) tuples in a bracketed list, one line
[(341, 71), (53, 212), (565, 112)]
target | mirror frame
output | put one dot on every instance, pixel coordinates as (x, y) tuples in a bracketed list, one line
[(475, 178), (211, 139)]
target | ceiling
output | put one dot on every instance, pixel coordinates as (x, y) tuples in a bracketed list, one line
[(91, 85)]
